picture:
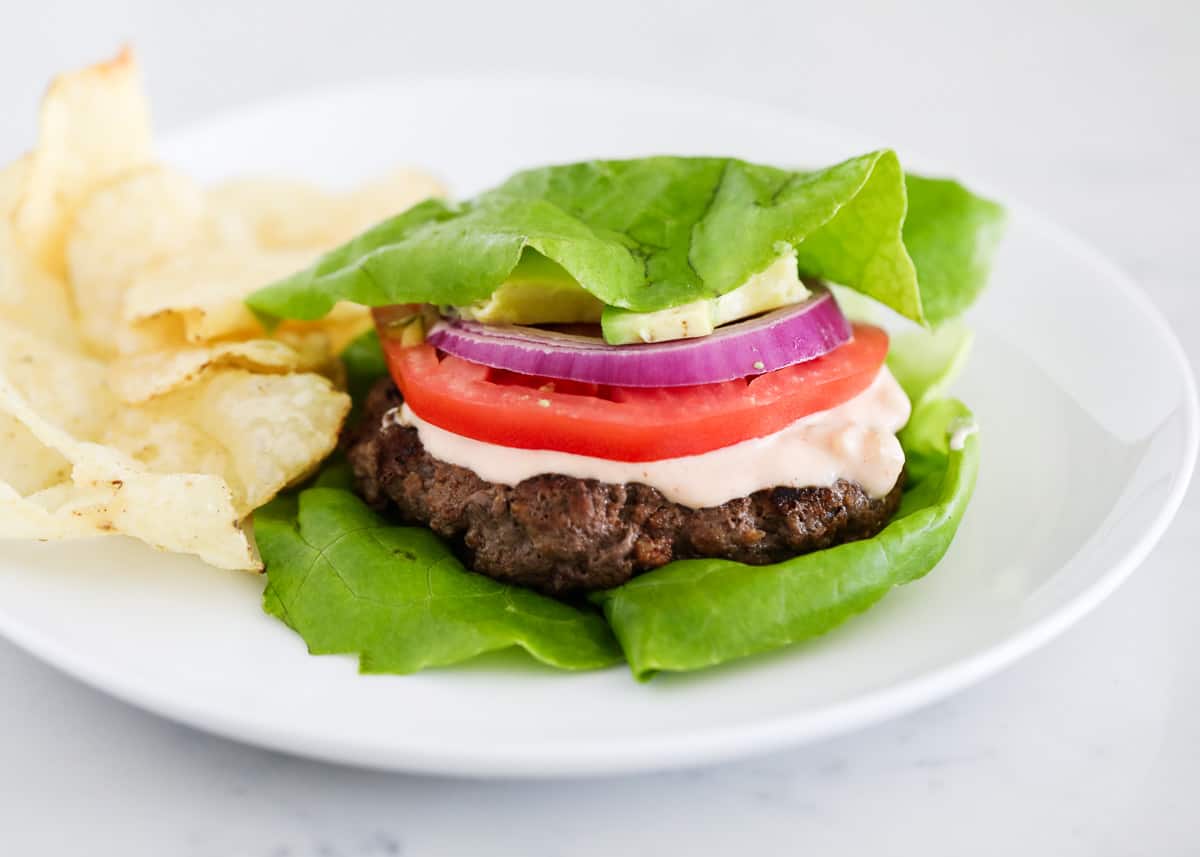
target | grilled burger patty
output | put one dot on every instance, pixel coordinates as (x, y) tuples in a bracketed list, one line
[(562, 535)]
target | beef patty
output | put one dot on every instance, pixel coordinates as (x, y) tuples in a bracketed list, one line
[(562, 535)]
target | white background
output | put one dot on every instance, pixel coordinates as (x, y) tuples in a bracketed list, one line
[(1088, 111)]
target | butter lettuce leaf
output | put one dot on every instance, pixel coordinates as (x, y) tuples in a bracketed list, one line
[(653, 233), (952, 236), (926, 362), (350, 582), (694, 614), (365, 364)]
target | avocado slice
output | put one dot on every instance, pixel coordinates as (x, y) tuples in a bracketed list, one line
[(778, 285), (538, 291)]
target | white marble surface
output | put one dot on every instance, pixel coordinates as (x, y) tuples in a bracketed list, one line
[(1090, 747)]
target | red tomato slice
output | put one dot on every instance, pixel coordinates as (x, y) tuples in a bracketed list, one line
[(626, 423)]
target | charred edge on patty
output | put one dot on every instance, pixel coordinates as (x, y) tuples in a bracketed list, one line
[(561, 535)]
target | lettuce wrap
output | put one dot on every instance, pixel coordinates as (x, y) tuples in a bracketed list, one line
[(639, 236)]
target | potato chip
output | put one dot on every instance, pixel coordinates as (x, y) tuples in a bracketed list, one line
[(140, 377), (284, 214), (179, 472), (30, 298), (51, 394), (93, 125), (206, 287), (128, 224), (13, 180), (258, 231), (279, 214), (203, 289), (163, 333), (53, 380), (383, 197), (180, 512), (194, 415), (36, 516), (341, 325), (26, 465), (259, 432)]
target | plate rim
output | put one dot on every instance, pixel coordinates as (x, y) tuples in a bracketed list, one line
[(710, 744)]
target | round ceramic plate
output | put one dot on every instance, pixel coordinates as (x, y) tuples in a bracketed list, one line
[(1088, 440)]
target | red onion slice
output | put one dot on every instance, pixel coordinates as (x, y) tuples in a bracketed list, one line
[(772, 341)]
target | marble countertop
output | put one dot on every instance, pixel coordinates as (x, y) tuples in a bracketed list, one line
[(1089, 747)]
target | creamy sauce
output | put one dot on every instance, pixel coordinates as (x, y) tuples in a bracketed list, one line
[(960, 431), (855, 441)]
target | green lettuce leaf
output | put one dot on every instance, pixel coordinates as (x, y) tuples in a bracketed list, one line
[(365, 364), (926, 362), (349, 582), (698, 613), (653, 233), (952, 236)]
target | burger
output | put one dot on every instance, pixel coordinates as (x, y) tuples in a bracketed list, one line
[(612, 379), (567, 485)]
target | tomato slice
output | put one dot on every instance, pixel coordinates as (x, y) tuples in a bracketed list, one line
[(626, 423)]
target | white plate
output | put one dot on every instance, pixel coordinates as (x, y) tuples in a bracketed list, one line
[(1089, 438)]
